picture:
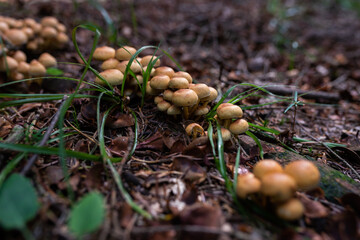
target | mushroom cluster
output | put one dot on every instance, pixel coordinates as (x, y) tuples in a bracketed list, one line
[(173, 92), (270, 180), (36, 36), (16, 63), (230, 118)]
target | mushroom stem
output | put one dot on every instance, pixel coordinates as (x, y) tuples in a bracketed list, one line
[(226, 123), (193, 108), (186, 113)]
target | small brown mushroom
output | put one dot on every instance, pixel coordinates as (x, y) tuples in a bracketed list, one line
[(194, 130), (112, 76), (227, 112), (178, 83), (266, 166), (146, 60), (291, 210), (163, 106), (239, 126), (279, 187), (125, 53), (104, 53), (8, 63), (109, 64), (305, 173), (47, 60), (16, 36), (185, 98), (247, 184), (164, 71), (160, 82), (184, 75)]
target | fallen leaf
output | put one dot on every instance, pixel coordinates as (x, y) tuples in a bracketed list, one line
[(193, 172), (313, 209), (120, 120)]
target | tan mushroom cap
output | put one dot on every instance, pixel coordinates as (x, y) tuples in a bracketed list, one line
[(178, 83), (184, 75), (62, 38), (152, 71), (164, 71), (278, 186), (173, 110), (29, 22), (47, 60), (49, 21), (194, 129), (16, 76), (112, 76), (290, 210), (247, 184), (160, 82), (48, 32), (135, 66), (37, 69), (19, 56), (225, 134), (213, 95), (201, 89), (23, 68), (229, 111), (104, 53), (200, 111), (158, 99), (239, 126), (3, 27), (168, 94), (305, 173), (266, 166), (61, 27), (109, 64), (28, 31), (136, 81), (8, 63), (16, 36), (146, 60), (151, 91), (184, 98), (125, 53), (163, 106)]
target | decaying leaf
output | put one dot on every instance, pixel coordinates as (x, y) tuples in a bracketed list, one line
[(192, 171)]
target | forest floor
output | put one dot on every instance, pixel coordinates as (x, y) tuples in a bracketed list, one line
[(287, 47)]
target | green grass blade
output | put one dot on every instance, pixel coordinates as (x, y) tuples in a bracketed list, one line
[(265, 129), (135, 135), (237, 163), (257, 141)]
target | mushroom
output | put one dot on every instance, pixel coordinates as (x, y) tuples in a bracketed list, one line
[(266, 166), (184, 75), (160, 82), (151, 91), (47, 60), (112, 76), (163, 106), (168, 94), (109, 64), (305, 173), (202, 90), (194, 130), (104, 53), (247, 184), (239, 126), (279, 187), (61, 39), (135, 66), (29, 32), (290, 210), (19, 56), (164, 71), (36, 69), (125, 53), (23, 67), (225, 134), (200, 111), (48, 33), (49, 21), (213, 95), (146, 60), (227, 112), (178, 83), (173, 111), (8, 62), (3, 27), (185, 98), (158, 99), (16, 36)]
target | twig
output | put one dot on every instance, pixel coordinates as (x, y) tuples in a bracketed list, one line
[(45, 138), (330, 150)]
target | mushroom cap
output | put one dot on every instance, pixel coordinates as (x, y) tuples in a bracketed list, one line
[(112, 76), (178, 83), (37, 28), (200, 111), (229, 111), (152, 71), (146, 60), (168, 94), (290, 210), (104, 53), (160, 82), (201, 89), (62, 38), (184, 98), (16, 76), (61, 27), (23, 67), (19, 56), (247, 184), (225, 134), (109, 64), (163, 106), (151, 91), (3, 26), (136, 81), (173, 110), (29, 22), (184, 75), (125, 53), (266, 166), (278, 186), (10, 63), (213, 95), (49, 21), (135, 66), (239, 126), (37, 69), (28, 31), (16, 36), (194, 127), (164, 71), (47, 60), (49, 32), (158, 99), (305, 173)]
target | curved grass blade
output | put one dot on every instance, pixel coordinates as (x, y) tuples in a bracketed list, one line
[(257, 141), (135, 136), (265, 129)]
